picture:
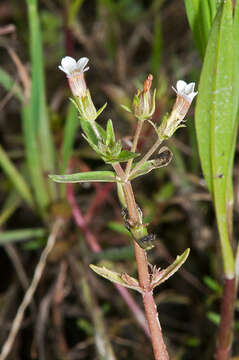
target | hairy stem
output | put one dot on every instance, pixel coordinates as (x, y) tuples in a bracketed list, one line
[(146, 157), (134, 146), (159, 348), (226, 324)]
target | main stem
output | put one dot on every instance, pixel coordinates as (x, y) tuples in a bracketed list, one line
[(159, 348)]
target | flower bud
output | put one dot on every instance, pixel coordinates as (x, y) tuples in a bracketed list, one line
[(143, 103)]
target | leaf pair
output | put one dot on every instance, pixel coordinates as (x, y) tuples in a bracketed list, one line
[(158, 276)]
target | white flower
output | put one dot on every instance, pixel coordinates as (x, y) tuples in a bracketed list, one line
[(75, 74), (185, 90), (71, 67)]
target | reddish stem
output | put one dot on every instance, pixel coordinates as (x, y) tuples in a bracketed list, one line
[(95, 247), (226, 324), (159, 348)]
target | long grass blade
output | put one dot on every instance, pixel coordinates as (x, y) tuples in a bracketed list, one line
[(10, 236), (39, 113), (215, 121)]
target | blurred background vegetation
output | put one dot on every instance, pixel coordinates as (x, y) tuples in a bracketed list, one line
[(125, 40)]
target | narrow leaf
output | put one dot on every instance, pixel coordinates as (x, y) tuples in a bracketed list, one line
[(38, 112), (200, 17), (115, 277), (160, 276), (110, 139), (215, 120), (7, 237), (91, 176)]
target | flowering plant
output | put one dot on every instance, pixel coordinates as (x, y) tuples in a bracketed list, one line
[(104, 142)]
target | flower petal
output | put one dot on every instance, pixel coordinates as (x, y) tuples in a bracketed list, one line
[(81, 64), (192, 95), (189, 88), (180, 86), (68, 64)]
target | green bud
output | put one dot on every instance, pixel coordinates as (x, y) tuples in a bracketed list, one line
[(144, 103)]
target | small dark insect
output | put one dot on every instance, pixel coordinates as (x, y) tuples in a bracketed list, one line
[(147, 242)]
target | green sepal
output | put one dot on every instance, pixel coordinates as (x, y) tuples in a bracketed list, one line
[(126, 108), (101, 110), (110, 139)]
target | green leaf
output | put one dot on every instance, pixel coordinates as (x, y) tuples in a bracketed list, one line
[(101, 110), (88, 176), (215, 121), (125, 155), (34, 161), (159, 276), (110, 139), (38, 107), (115, 277), (200, 16), (101, 131), (15, 177), (126, 108), (10, 236), (89, 132)]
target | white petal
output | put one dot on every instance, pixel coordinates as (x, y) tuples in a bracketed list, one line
[(180, 86), (189, 88), (68, 64), (81, 64), (61, 68), (192, 95)]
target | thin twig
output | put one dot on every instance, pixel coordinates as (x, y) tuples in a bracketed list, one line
[(31, 290), (134, 146)]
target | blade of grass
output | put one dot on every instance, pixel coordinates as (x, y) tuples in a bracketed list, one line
[(200, 17), (215, 121), (10, 236), (39, 114), (34, 161), (15, 177)]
